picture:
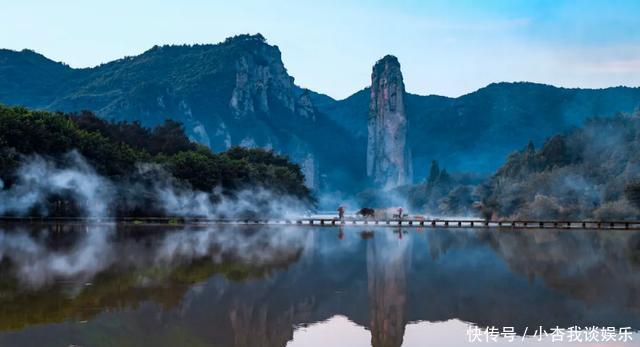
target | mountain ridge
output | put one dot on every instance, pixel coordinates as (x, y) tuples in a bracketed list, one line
[(29, 53), (238, 92)]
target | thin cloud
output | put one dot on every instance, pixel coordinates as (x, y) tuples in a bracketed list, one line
[(613, 66)]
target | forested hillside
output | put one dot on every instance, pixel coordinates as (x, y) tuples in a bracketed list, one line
[(590, 172), (128, 152)]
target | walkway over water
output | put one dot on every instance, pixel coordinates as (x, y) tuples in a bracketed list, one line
[(404, 222)]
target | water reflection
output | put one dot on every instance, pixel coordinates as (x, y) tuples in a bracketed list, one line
[(254, 286), (388, 264)]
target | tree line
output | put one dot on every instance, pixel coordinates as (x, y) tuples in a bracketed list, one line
[(116, 149)]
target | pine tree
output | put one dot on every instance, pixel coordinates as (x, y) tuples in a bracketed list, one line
[(444, 177), (531, 149), (434, 173)]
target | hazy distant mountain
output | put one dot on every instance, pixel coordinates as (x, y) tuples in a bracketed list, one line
[(239, 92), (475, 132)]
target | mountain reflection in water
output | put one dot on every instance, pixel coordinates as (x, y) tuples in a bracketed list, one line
[(267, 286)]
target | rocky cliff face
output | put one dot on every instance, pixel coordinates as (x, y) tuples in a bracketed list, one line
[(261, 79), (304, 106), (264, 94), (388, 156)]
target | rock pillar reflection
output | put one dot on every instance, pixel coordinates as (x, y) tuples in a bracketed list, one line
[(388, 263)]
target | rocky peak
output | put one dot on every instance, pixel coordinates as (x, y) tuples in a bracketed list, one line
[(386, 64), (388, 156), (261, 78)]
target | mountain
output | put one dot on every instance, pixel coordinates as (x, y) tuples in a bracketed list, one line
[(476, 131), (28, 78), (238, 92)]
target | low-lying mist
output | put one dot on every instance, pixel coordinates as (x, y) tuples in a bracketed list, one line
[(70, 185), (40, 179), (588, 173)]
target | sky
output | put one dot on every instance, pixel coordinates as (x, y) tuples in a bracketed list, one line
[(445, 47)]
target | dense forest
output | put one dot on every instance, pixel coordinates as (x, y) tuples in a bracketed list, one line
[(590, 172), (135, 158)]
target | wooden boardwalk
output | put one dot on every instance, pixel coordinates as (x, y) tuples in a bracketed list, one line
[(404, 222)]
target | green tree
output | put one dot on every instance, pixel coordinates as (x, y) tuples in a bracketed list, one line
[(434, 173), (115, 149)]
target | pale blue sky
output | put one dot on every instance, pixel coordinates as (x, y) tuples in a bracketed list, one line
[(445, 47)]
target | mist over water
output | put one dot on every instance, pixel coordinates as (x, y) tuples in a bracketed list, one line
[(39, 178), (149, 189)]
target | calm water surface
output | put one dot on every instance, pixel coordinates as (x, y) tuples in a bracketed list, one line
[(305, 286)]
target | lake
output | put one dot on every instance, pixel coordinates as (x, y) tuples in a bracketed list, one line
[(79, 285)]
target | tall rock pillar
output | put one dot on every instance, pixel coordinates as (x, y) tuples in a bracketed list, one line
[(388, 156)]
